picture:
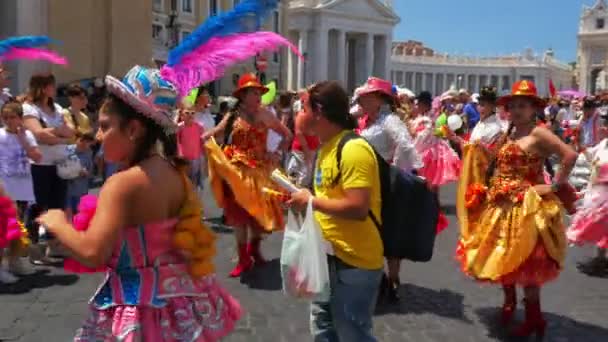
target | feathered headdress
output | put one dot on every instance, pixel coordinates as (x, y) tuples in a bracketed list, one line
[(29, 47), (220, 42)]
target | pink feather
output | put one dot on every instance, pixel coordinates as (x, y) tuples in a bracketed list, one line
[(209, 61), (34, 53)]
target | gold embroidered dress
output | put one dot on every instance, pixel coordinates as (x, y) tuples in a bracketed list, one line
[(239, 172), (509, 234)]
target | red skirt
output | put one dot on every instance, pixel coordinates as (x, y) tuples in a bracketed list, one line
[(538, 269), (235, 215)]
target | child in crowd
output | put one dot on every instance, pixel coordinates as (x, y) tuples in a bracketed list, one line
[(190, 143), (17, 147), (79, 186)]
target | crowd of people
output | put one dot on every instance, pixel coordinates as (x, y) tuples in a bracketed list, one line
[(511, 155)]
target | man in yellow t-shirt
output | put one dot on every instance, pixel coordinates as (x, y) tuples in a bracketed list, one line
[(344, 195)]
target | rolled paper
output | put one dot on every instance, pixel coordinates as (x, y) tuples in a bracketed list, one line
[(281, 180)]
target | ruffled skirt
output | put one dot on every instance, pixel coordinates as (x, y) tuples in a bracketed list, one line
[(237, 188), (520, 243), (182, 319), (441, 163), (590, 223)]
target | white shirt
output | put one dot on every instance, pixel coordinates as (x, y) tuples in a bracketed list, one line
[(51, 154), (391, 138), (15, 170), (205, 119), (487, 131)]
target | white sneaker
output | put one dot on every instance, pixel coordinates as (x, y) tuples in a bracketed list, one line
[(7, 278), (18, 267)]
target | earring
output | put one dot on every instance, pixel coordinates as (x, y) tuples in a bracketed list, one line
[(132, 138)]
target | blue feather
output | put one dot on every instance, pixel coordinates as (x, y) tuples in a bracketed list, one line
[(23, 42), (237, 20)]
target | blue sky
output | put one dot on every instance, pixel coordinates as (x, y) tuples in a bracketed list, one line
[(477, 27)]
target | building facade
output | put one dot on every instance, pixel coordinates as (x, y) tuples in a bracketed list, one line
[(592, 64), (173, 20), (418, 68), (344, 40), (93, 41), (110, 36)]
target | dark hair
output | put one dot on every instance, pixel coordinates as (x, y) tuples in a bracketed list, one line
[(224, 106), (74, 90), (331, 100), (13, 106), (90, 137), (36, 88), (154, 133), (285, 99), (502, 140)]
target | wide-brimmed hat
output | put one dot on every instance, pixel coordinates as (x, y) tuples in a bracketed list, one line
[(488, 94), (376, 85), (148, 93), (424, 97), (249, 80), (522, 88)]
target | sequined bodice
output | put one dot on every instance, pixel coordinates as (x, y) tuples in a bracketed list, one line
[(249, 140), (516, 170), (145, 269)]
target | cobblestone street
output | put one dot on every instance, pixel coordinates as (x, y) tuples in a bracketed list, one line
[(439, 303)]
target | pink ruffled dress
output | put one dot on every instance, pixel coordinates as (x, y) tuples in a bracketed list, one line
[(590, 223), (148, 294), (441, 163)]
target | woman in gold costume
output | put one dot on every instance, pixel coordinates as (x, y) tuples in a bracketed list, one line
[(512, 230), (240, 171)]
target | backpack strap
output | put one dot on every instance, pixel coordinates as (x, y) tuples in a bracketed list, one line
[(346, 138)]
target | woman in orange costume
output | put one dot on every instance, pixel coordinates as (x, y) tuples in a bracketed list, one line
[(513, 231), (239, 172)]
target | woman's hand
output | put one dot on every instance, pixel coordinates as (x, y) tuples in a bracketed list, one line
[(543, 189), (53, 220)]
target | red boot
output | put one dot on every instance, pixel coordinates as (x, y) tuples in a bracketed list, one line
[(508, 308), (244, 264), (534, 323), (253, 248)]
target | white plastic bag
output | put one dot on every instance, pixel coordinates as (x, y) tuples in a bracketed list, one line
[(303, 259)]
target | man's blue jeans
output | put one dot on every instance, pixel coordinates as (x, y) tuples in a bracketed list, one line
[(347, 317)]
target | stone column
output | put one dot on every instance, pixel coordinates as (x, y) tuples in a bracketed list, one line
[(302, 46), (369, 55), (320, 61), (341, 57), (388, 52)]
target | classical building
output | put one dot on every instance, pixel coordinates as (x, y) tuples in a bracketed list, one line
[(345, 40), (418, 68), (592, 66)]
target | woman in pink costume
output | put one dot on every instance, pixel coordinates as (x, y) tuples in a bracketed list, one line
[(590, 223), (147, 228), (441, 163)]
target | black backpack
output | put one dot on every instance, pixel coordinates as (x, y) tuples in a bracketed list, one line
[(410, 211)]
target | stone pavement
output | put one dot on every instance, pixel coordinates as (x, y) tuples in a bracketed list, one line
[(439, 303)]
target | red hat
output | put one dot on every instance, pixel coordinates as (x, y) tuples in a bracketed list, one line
[(522, 88), (375, 85), (249, 80)]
